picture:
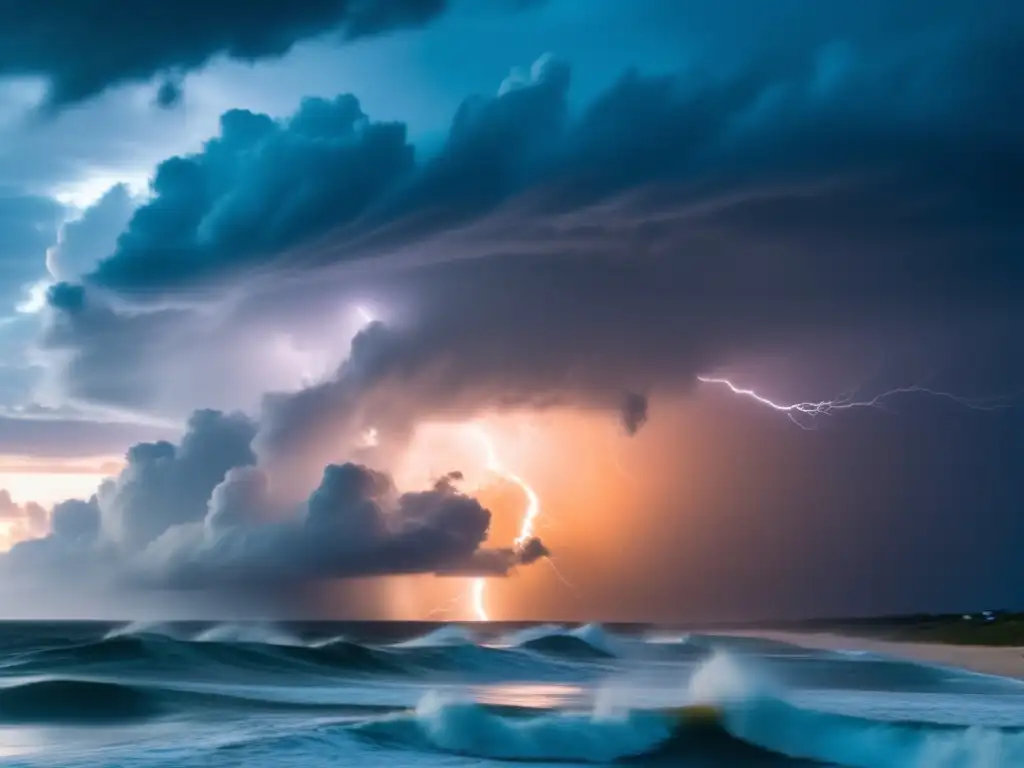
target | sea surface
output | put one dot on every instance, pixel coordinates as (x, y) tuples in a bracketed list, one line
[(86, 694)]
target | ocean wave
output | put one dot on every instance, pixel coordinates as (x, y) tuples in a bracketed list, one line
[(227, 651), (587, 641), (71, 700), (442, 637), (155, 653), (256, 634), (855, 742), (745, 720), (468, 728), (133, 628), (75, 700)]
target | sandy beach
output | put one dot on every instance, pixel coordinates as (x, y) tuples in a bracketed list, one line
[(989, 660)]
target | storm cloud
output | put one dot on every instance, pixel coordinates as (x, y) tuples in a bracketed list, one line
[(821, 154), (200, 515), (810, 178), (84, 48), (553, 256), (354, 524)]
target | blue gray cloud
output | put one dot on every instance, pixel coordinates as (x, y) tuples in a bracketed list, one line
[(198, 514), (84, 49), (330, 185), (550, 255), (93, 236)]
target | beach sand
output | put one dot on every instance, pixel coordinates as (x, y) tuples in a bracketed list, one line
[(989, 660)]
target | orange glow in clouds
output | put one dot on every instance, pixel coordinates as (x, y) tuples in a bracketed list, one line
[(526, 528), (478, 586)]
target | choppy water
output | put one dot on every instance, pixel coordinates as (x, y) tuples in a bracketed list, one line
[(408, 695)]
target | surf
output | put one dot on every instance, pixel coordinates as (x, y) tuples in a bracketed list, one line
[(728, 712), (227, 651)]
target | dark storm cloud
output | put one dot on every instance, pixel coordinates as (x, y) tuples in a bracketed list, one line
[(394, 377), (322, 168), (545, 256), (265, 186), (199, 514), (919, 163), (84, 48), (354, 524)]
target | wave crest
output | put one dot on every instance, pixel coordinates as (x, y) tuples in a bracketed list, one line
[(442, 637), (752, 721), (590, 640), (468, 728)]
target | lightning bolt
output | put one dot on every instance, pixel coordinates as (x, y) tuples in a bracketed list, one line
[(478, 588), (812, 409)]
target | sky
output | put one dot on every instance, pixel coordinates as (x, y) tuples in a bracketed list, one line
[(335, 308)]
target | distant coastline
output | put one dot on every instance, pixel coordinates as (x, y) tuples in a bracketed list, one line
[(986, 628), (987, 653)]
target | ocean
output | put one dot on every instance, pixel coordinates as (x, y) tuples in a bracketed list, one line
[(88, 694)]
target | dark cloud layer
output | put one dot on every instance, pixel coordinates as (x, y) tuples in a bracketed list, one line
[(544, 256), (322, 168), (84, 48), (851, 169), (549, 256), (823, 153)]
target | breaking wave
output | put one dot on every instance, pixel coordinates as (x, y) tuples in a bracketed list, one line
[(746, 720), (590, 640), (442, 637), (725, 714)]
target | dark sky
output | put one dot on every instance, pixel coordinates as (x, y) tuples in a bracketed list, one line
[(257, 239)]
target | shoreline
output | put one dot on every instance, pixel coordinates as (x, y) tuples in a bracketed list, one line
[(1001, 661)]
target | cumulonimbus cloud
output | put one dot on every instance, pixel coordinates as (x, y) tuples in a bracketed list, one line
[(549, 255), (199, 515), (546, 255)]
